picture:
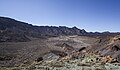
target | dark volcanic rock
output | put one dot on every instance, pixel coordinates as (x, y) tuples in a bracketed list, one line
[(5, 58), (13, 30), (83, 48), (116, 48), (39, 59), (118, 58)]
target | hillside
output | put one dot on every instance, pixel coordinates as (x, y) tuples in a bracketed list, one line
[(22, 31), (27, 47), (107, 46)]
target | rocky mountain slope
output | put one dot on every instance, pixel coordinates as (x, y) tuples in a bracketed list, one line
[(27, 47), (108, 46), (13, 30)]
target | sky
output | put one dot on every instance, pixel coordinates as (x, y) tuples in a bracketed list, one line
[(91, 15)]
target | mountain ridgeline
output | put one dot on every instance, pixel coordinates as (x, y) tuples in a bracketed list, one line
[(12, 30), (26, 45)]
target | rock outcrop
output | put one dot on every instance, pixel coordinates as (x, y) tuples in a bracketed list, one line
[(109, 47)]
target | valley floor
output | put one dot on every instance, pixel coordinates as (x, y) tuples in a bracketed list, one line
[(60, 53)]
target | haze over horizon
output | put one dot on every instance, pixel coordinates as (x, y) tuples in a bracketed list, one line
[(91, 15)]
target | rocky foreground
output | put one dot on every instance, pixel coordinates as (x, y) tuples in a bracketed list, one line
[(86, 62), (64, 53)]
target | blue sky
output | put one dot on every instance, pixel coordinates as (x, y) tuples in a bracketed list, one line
[(91, 15)]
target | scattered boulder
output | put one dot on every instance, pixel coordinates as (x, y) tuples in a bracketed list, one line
[(83, 48), (118, 58), (116, 48), (39, 59), (5, 58)]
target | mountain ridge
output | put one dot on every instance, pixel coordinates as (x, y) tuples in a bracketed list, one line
[(10, 27)]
